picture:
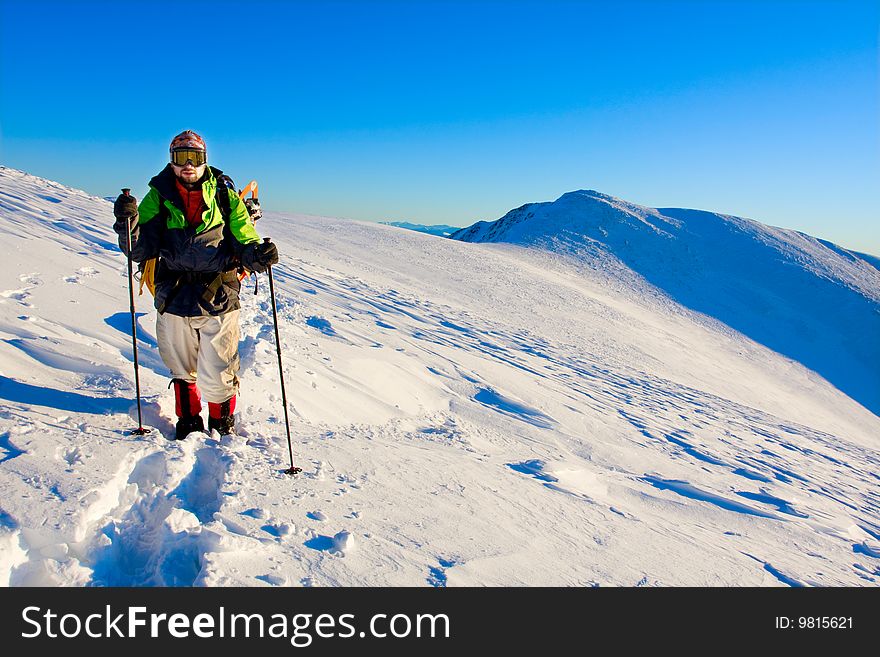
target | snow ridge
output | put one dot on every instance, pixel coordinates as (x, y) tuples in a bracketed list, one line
[(803, 297)]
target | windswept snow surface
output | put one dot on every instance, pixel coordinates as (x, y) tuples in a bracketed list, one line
[(465, 414)]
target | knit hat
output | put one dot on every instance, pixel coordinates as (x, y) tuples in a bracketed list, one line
[(188, 140)]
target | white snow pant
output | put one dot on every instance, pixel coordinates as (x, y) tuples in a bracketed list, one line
[(202, 349)]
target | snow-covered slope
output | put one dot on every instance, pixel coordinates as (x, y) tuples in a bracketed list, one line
[(805, 298), (465, 414)]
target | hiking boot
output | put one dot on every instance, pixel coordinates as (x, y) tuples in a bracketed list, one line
[(224, 425), (220, 416), (186, 425)]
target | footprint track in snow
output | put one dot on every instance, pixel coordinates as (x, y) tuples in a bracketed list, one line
[(199, 492), (437, 574), (160, 537), (145, 526), (82, 272), (31, 279), (21, 295), (72, 456)]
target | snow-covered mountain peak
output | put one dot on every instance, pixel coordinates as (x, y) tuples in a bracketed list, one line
[(585, 214), (806, 298), (585, 197), (589, 194)]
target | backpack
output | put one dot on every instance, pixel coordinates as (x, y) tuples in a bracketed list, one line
[(147, 269)]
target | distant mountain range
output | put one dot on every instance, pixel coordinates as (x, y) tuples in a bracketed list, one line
[(441, 230)]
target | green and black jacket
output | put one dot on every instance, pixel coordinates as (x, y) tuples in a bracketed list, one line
[(191, 258)]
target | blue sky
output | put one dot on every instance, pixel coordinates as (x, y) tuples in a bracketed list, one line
[(453, 112)]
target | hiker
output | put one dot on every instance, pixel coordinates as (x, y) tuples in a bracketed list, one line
[(201, 232)]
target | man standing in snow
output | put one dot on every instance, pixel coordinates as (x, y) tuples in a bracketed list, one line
[(200, 239)]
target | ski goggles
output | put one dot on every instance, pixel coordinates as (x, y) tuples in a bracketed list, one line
[(181, 156)]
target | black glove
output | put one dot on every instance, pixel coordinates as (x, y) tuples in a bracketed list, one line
[(259, 257), (125, 209)]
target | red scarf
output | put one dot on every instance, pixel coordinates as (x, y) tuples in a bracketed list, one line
[(193, 203)]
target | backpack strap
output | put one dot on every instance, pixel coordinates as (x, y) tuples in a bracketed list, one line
[(224, 184)]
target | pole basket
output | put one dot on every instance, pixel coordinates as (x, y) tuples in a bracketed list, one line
[(140, 431), (293, 471)]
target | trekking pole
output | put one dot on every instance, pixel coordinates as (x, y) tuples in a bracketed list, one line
[(292, 470), (140, 431)]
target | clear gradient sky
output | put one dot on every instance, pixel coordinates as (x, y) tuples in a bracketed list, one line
[(452, 112)]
